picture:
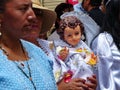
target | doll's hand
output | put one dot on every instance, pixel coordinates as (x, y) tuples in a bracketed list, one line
[(93, 83), (63, 53)]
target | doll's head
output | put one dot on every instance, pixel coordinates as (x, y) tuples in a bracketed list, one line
[(70, 30)]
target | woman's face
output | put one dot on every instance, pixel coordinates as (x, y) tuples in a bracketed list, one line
[(18, 18), (34, 33), (72, 36)]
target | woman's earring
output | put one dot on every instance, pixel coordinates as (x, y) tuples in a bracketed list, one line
[(0, 33)]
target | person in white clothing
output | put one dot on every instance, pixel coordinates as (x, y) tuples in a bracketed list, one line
[(107, 47)]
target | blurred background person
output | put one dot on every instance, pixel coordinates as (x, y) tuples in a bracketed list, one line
[(42, 25), (94, 11), (92, 8), (38, 34), (60, 9)]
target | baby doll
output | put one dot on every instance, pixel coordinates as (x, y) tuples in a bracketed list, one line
[(73, 57)]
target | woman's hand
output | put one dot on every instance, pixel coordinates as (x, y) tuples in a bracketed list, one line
[(92, 84), (74, 84)]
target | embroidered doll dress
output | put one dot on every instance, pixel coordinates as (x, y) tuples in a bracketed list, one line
[(77, 64), (33, 74)]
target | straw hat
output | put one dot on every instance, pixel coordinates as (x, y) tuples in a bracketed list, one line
[(48, 17)]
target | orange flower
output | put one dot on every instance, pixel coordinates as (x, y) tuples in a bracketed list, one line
[(93, 60)]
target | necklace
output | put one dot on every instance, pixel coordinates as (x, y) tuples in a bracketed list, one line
[(28, 76), (22, 64)]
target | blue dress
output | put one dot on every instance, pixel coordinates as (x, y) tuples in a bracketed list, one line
[(108, 73), (13, 78)]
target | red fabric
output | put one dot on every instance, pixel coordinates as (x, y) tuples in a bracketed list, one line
[(73, 2)]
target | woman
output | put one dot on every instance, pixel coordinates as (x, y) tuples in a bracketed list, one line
[(23, 66), (44, 22), (107, 47)]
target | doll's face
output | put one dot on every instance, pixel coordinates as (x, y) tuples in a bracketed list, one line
[(72, 36)]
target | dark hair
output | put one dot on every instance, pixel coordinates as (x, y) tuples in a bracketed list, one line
[(112, 21), (60, 8), (95, 2), (69, 21)]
